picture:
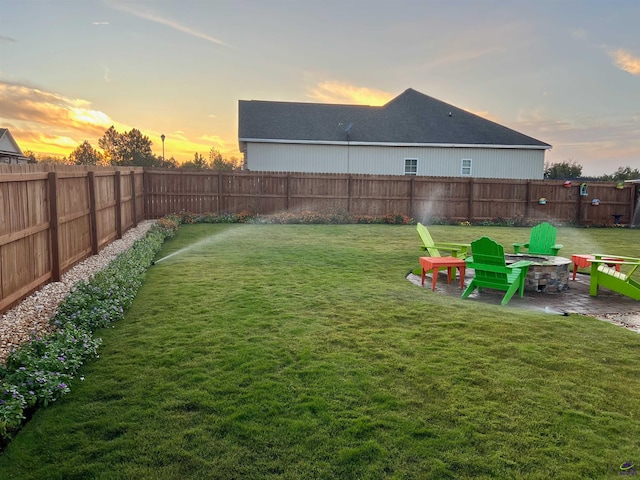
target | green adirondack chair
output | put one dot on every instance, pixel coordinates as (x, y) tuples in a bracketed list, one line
[(604, 274), (457, 250), (491, 271), (542, 241)]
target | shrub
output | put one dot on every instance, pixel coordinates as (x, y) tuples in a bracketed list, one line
[(40, 371), (12, 407)]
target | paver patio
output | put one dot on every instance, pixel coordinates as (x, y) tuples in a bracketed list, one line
[(609, 306)]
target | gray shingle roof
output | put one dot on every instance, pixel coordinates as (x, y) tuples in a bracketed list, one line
[(410, 118)]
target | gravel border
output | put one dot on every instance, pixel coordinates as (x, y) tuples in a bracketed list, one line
[(32, 315)]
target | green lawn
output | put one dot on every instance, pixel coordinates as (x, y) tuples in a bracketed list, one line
[(302, 352)]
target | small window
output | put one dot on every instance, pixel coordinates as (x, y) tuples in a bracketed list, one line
[(410, 166), (466, 167)]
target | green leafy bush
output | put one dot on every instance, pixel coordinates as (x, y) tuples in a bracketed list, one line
[(40, 371)]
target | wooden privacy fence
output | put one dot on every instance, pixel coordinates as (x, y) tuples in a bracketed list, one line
[(51, 218), (423, 198)]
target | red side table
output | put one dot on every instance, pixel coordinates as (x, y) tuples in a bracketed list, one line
[(435, 263), (584, 261)]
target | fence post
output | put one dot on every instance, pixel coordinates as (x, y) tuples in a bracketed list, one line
[(118, 195), (288, 192), (579, 208), (134, 210), (53, 226), (93, 212), (411, 201), (145, 195), (527, 194), (470, 201), (632, 203), (219, 192), (348, 193)]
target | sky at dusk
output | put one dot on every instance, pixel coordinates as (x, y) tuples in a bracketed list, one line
[(564, 72)]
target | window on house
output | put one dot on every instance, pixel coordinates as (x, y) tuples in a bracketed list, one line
[(466, 166), (410, 166)]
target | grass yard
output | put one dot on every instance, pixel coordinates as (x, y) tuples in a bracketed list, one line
[(302, 352)]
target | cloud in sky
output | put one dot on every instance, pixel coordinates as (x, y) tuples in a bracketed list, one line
[(215, 139), (7, 39), (154, 17), (46, 122), (340, 92), (626, 61), (21, 102), (464, 55), (50, 123), (107, 74)]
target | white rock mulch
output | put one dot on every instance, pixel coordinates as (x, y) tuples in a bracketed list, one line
[(33, 314)]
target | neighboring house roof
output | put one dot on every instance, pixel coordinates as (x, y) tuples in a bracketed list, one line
[(8, 145), (411, 118)]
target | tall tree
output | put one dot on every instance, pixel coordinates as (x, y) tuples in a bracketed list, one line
[(130, 148), (85, 154), (216, 161), (110, 145), (135, 149), (562, 171)]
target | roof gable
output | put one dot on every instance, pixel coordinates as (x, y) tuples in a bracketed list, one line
[(8, 145), (409, 118)]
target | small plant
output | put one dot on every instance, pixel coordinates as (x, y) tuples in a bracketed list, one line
[(12, 407)]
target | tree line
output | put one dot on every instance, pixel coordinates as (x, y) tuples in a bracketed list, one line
[(132, 148), (572, 170)]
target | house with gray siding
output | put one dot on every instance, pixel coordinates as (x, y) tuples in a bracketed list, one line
[(10, 152), (413, 134)]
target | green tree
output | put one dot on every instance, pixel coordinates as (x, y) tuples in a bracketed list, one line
[(198, 163), (562, 171), (31, 157), (623, 173), (85, 154), (110, 145), (135, 149), (127, 149), (217, 162), (166, 163)]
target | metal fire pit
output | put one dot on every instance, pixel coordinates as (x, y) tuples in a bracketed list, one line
[(545, 271)]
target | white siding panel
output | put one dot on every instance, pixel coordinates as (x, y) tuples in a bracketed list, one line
[(383, 160), (277, 157)]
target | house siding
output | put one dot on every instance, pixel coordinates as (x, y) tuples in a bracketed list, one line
[(382, 160)]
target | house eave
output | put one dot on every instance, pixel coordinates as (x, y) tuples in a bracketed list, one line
[(393, 144)]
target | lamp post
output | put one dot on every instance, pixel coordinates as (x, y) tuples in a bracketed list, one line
[(162, 137), (347, 130)]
